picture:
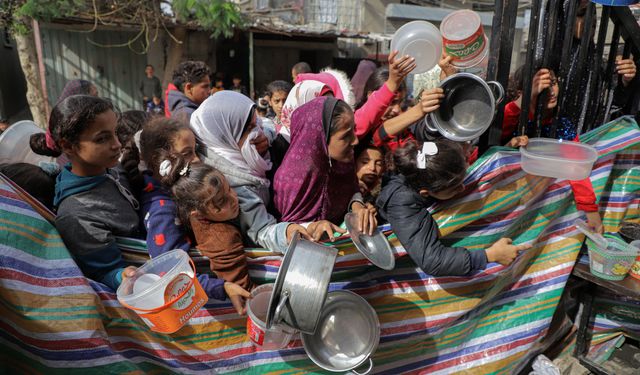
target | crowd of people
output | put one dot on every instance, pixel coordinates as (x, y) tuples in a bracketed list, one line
[(217, 171)]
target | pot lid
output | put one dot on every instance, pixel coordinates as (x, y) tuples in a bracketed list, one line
[(348, 333), (375, 248)]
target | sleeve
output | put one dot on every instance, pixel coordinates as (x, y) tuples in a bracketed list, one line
[(510, 121), (164, 231), (93, 246), (214, 288), (583, 192), (370, 114), (357, 197), (258, 224), (418, 233)]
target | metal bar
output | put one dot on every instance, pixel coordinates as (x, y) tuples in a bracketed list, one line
[(592, 97), (585, 38), (551, 16), (630, 29), (496, 31), (529, 68), (565, 62), (603, 115), (500, 65)]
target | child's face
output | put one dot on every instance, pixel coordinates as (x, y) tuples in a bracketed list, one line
[(343, 140), (370, 166), (277, 101), (185, 145), (236, 81), (554, 90), (223, 206), (156, 100), (394, 108), (98, 147), (198, 92)]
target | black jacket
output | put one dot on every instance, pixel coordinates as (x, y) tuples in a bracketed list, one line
[(406, 211)]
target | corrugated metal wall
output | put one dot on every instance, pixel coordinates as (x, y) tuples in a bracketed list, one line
[(115, 71)]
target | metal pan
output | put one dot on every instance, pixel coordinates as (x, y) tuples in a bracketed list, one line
[(375, 248)]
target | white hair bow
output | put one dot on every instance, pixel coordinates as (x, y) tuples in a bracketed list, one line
[(165, 168), (428, 149)]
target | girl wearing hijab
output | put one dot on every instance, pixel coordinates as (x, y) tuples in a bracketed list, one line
[(317, 178)]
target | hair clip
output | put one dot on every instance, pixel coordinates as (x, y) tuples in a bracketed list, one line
[(165, 168), (428, 149), (184, 170)]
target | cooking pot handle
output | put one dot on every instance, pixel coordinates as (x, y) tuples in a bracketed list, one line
[(283, 299), (500, 90), (368, 370)]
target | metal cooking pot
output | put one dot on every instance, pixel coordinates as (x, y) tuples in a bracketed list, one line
[(348, 334), (467, 109), (301, 285)]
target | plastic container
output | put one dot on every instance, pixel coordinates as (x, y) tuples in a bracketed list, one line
[(14, 144), (463, 38), (421, 40), (635, 267), (557, 158), (612, 262), (277, 337), (164, 292)]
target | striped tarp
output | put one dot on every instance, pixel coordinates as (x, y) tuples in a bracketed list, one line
[(53, 320)]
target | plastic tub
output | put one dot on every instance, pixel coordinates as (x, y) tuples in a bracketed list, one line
[(422, 41), (614, 262), (164, 291), (463, 38), (14, 144), (277, 337), (557, 158)]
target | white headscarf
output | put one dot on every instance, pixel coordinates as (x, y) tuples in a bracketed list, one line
[(219, 122), (300, 94)]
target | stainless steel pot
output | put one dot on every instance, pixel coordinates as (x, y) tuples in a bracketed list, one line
[(348, 334), (467, 109), (301, 285)]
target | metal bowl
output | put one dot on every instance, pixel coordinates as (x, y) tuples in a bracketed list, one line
[(629, 231), (301, 286), (467, 109), (375, 248)]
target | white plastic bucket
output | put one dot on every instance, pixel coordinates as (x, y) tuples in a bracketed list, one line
[(14, 144), (164, 292), (265, 339), (463, 38)]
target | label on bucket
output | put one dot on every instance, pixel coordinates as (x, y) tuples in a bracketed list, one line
[(464, 50), (598, 267), (255, 333), (176, 287)]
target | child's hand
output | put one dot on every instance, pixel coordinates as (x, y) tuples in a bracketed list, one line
[(430, 99), (367, 221), (319, 228), (447, 68), (520, 141), (398, 70), (128, 272), (541, 82), (504, 252), (237, 295), (261, 143), (304, 233), (626, 68), (595, 222)]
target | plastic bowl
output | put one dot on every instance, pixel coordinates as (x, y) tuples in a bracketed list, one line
[(420, 40), (558, 159), (614, 262)]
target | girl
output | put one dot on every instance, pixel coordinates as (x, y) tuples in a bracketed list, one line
[(94, 203), (421, 174), (369, 170), (226, 126), (210, 208), (317, 179)]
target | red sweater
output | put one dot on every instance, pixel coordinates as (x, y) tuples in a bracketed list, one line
[(583, 192)]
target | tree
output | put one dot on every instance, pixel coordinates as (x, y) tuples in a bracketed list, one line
[(219, 17)]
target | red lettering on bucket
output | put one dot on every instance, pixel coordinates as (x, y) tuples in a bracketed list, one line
[(255, 333)]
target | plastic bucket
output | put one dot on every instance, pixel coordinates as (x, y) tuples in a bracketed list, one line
[(463, 38), (14, 144), (635, 267), (614, 262), (266, 339), (164, 292)]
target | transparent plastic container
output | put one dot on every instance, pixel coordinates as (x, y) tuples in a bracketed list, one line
[(558, 159), (277, 337), (612, 262), (420, 40)]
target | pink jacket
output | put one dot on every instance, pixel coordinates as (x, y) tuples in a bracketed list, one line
[(369, 116)]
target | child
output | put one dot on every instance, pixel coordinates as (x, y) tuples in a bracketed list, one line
[(193, 86), (210, 208), (278, 92), (369, 170), (155, 106), (238, 86), (93, 201), (433, 170)]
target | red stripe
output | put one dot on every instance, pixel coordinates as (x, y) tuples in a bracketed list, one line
[(49, 283)]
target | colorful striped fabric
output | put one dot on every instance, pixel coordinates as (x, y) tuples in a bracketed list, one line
[(53, 320)]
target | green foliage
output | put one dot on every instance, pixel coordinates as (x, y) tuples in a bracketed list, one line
[(216, 16), (14, 14)]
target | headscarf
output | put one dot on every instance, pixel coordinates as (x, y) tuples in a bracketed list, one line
[(359, 80), (75, 87), (219, 123), (328, 79), (308, 186), (300, 94)]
